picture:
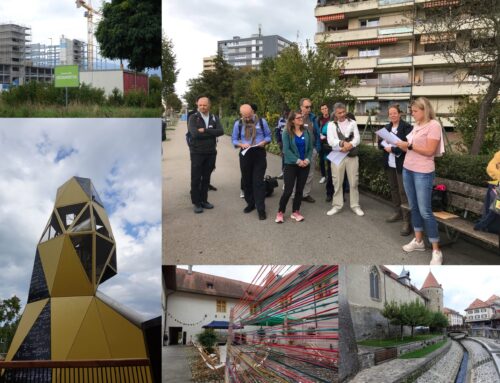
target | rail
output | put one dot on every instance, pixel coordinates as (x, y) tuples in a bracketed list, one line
[(77, 371)]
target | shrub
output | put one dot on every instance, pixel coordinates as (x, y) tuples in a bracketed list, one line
[(135, 98), (116, 97), (465, 122), (207, 338), (153, 99)]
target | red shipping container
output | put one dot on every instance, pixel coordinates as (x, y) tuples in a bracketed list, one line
[(134, 80)]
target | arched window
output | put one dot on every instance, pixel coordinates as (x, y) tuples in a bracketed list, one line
[(374, 283)]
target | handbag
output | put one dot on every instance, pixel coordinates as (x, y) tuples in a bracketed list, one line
[(439, 199), (354, 151)]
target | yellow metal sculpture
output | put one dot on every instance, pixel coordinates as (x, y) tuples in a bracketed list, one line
[(66, 317)]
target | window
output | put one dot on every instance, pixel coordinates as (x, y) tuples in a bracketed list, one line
[(210, 285), (369, 51), (366, 23), (439, 47), (435, 76), (394, 79), (221, 306), (374, 283)]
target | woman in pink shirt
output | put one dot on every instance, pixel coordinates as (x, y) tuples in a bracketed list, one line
[(418, 176)]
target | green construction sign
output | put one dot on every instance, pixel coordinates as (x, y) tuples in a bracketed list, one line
[(67, 76)]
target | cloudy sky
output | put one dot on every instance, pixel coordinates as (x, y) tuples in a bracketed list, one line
[(122, 157), (48, 18), (195, 26), (461, 284)]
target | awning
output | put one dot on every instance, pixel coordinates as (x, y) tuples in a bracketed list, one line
[(440, 3), (387, 40), (217, 324), (438, 38), (357, 71), (336, 16), (394, 98)]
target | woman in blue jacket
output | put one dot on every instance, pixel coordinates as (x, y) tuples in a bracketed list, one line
[(297, 151)]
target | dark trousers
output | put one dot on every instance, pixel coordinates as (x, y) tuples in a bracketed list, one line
[(253, 169), (329, 181), (322, 166), (398, 195), (202, 166), (293, 176)]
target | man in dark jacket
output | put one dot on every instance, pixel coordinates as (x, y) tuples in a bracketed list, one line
[(204, 128)]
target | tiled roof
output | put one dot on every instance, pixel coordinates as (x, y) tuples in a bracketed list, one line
[(430, 281), (478, 303), (446, 311), (394, 276), (207, 284), (492, 299)]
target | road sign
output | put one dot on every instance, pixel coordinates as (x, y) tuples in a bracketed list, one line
[(67, 76)]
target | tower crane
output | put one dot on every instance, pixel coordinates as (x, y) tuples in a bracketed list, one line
[(90, 12)]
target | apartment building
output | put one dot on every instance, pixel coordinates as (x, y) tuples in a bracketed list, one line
[(208, 63), (484, 317), (250, 51), (393, 61), (454, 317)]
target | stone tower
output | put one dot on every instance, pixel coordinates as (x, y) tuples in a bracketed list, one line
[(433, 291), (66, 318)]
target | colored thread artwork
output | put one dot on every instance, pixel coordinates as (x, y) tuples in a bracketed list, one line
[(285, 328)]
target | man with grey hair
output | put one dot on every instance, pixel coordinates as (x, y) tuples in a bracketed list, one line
[(311, 124), (343, 136)]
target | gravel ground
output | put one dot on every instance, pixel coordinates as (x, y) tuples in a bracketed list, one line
[(482, 367), (446, 369)]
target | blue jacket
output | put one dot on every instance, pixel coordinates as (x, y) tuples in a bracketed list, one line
[(290, 151)]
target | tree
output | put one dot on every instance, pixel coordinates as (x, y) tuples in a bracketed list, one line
[(392, 311), (414, 314), (169, 71), (207, 338), (131, 30), (438, 320), (9, 319), (469, 34), (173, 102)]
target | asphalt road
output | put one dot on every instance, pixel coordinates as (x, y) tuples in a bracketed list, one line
[(227, 236)]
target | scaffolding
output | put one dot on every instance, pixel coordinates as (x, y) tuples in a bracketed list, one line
[(14, 40)]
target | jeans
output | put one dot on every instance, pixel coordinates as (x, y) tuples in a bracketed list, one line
[(294, 176), (418, 188)]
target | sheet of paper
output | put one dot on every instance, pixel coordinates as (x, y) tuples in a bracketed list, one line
[(389, 137), (385, 144), (244, 151), (336, 157), (409, 137)]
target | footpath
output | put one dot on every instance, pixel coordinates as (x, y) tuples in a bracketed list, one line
[(225, 235)]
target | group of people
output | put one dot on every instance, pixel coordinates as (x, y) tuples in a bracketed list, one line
[(334, 139)]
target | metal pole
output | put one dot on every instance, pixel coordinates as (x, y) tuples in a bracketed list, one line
[(66, 97)]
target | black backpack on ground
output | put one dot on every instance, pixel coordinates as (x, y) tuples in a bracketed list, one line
[(271, 183)]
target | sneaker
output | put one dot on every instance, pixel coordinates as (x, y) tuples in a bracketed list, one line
[(198, 209), (333, 210), (280, 177), (414, 245), (262, 215), (322, 180), (297, 216), (308, 199), (207, 205), (242, 194), (437, 257), (357, 210), (248, 209), (279, 217), (329, 198), (212, 187)]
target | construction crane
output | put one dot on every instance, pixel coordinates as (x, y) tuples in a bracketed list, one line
[(89, 14)]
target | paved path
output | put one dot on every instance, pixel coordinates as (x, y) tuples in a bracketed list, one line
[(445, 370), (387, 372), (175, 366), (493, 346), (481, 364), (225, 235)]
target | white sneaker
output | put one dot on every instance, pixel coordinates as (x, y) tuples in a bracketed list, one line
[(322, 180), (333, 210), (357, 210), (414, 245), (242, 194), (437, 257)]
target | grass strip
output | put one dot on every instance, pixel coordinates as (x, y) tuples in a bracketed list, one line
[(423, 351)]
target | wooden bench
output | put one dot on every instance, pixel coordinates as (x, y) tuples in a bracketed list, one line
[(466, 199)]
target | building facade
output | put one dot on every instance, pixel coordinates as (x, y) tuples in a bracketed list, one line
[(250, 51), (454, 317), (208, 63), (393, 61), (370, 287), (483, 317)]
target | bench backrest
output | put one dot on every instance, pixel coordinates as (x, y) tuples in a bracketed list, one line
[(464, 196)]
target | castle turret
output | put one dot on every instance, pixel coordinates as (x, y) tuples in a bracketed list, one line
[(433, 291)]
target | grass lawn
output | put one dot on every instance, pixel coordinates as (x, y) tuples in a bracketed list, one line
[(79, 111), (424, 351), (395, 341)]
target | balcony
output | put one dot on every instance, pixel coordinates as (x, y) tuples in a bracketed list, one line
[(449, 89), (399, 31), (347, 35), (360, 62), (429, 59), (363, 92), (393, 89), (346, 6), (394, 62)]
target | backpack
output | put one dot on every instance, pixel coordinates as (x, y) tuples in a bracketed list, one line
[(439, 198), (271, 183), (489, 221)]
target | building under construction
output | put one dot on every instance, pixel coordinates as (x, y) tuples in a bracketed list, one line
[(15, 66)]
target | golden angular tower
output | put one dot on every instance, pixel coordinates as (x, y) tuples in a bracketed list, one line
[(66, 318)]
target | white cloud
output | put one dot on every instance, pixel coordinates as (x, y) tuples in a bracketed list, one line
[(195, 26), (461, 284), (122, 157)]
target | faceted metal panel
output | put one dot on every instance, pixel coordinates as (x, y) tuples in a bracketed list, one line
[(38, 285)]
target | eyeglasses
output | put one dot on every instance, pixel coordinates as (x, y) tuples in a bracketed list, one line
[(298, 118), (307, 106)]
